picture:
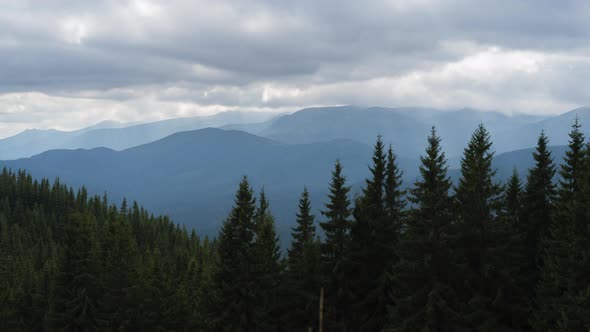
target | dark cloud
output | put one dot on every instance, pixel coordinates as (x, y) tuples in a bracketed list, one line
[(286, 54)]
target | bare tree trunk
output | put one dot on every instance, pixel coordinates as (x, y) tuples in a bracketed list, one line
[(321, 327)]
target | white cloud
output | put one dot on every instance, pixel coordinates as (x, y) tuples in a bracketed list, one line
[(74, 30)]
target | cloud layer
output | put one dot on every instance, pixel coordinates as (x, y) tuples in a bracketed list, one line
[(68, 64)]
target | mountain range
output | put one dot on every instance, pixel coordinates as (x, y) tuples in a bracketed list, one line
[(174, 169), (115, 135), (195, 173), (405, 128)]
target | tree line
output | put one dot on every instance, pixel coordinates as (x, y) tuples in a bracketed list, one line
[(475, 255)]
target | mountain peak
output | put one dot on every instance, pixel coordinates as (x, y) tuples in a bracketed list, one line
[(581, 111)]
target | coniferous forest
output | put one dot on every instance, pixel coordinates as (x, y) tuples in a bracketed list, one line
[(434, 255)]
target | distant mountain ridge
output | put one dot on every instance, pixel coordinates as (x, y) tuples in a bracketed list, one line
[(403, 127), (194, 173), (116, 135)]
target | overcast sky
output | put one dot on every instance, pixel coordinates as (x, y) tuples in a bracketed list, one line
[(67, 64)]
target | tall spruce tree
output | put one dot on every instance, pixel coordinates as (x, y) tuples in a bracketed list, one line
[(394, 194), (267, 269), (515, 298), (304, 231), (235, 277), (369, 215), (304, 270), (481, 247), (374, 234), (538, 208), (582, 299), (563, 271), (373, 194), (425, 292), (334, 249)]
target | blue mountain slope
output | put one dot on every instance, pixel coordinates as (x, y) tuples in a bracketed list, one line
[(116, 136), (556, 128), (192, 175), (405, 128)]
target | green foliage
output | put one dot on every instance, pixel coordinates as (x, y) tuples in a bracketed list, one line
[(481, 257), (481, 247), (512, 209), (426, 284), (565, 249), (76, 302), (267, 269), (72, 262), (334, 250), (303, 274), (538, 209), (375, 232), (234, 274)]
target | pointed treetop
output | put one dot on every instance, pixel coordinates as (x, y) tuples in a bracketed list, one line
[(572, 167), (433, 168), (305, 218), (339, 204), (373, 193), (544, 170), (476, 189), (512, 197), (262, 204), (394, 203)]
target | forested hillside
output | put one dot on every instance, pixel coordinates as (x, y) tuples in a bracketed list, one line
[(475, 255), (69, 262)]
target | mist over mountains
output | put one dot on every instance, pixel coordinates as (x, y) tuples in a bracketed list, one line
[(197, 170)]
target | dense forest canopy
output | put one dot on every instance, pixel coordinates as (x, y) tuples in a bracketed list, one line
[(477, 255)]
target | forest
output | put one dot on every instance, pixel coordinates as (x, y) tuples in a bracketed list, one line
[(433, 255)]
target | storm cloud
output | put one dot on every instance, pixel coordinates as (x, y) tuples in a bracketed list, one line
[(67, 64)]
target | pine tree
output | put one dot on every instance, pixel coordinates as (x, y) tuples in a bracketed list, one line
[(334, 248), (394, 195), (563, 271), (304, 232), (234, 278), (425, 292), (121, 267), (538, 200), (481, 247), (513, 200), (515, 298), (267, 269), (70, 262), (304, 269), (572, 168), (373, 193), (369, 212), (197, 283), (76, 302), (388, 238), (374, 238)]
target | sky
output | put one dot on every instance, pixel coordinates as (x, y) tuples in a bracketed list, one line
[(68, 64)]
